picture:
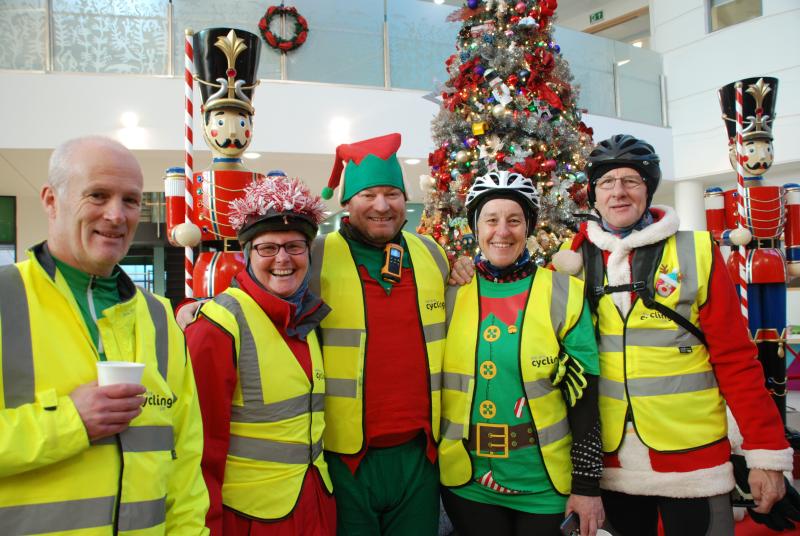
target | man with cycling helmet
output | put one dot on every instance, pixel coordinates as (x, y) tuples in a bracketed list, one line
[(674, 351)]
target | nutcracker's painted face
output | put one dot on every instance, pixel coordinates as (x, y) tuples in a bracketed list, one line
[(758, 154), (228, 131)]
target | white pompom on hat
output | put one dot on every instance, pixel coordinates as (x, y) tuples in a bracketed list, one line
[(568, 262)]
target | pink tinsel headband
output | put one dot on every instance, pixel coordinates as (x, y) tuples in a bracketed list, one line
[(276, 194)]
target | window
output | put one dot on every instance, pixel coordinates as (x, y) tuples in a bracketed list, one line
[(8, 230), (724, 13)]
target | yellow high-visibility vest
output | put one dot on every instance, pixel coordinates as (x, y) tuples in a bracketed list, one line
[(656, 368), (555, 303), (52, 480), (335, 277), (277, 414)]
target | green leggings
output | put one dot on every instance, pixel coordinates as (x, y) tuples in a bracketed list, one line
[(395, 492)]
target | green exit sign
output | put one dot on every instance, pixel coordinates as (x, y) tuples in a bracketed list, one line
[(597, 16)]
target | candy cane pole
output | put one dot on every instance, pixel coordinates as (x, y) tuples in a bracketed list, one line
[(742, 216), (188, 148)]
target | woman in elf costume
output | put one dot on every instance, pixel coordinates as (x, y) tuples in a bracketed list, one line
[(520, 424)]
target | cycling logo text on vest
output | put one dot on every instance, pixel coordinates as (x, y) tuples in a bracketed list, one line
[(155, 399), (543, 360), (430, 305)]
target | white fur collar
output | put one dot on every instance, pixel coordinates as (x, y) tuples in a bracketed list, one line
[(618, 267)]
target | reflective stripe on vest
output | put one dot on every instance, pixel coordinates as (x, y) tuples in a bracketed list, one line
[(656, 366), (554, 306), (278, 411), (667, 385), (267, 450), (18, 380), (137, 515), (335, 277), (81, 514), (159, 316), (56, 516), (142, 439), (247, 361)]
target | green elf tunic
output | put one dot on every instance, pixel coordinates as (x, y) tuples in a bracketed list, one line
[(520, 481)]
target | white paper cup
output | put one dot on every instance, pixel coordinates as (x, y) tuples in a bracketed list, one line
[(111, 372)]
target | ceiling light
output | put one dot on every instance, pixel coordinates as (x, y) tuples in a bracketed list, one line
[(438, 2), (251, 155), (412, 161), (129, 119), (623, 62), (637, 44)]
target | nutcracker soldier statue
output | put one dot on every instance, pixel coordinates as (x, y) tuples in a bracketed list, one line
[(756, 224), (198, 206)]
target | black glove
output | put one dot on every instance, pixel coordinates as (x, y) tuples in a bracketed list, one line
[(783, 513)]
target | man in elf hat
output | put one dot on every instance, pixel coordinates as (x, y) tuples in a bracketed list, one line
[(382, 347)]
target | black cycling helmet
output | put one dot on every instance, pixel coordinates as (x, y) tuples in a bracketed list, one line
[(503, 185), (624, 150)]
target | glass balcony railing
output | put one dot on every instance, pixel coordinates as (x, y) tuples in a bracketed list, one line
[(392, 44)]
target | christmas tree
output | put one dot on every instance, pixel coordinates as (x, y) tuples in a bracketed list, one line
[(508, 105)]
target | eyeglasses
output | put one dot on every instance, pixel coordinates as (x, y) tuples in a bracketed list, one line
[(629, 182), (293, 247)]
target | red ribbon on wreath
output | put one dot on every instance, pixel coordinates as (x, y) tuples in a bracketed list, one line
[(300, 28)]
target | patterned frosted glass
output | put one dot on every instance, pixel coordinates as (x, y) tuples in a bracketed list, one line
[(345, 43), (420, 40), (244, 14), (110, 36), (22, 34)]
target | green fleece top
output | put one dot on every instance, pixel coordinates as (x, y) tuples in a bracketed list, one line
[(94, 294)]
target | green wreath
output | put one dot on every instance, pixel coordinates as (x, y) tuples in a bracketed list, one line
[(279, 43)]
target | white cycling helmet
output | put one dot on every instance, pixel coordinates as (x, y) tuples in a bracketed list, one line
[(503, 185)]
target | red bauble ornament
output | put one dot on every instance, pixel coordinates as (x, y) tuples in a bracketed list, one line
[(520, 7), (500, 156)]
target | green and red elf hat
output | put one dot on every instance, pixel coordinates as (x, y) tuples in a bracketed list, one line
[(371, 162)]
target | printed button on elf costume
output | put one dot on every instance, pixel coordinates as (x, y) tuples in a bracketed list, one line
[(488, 409), (488, 369), (491, 333)]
